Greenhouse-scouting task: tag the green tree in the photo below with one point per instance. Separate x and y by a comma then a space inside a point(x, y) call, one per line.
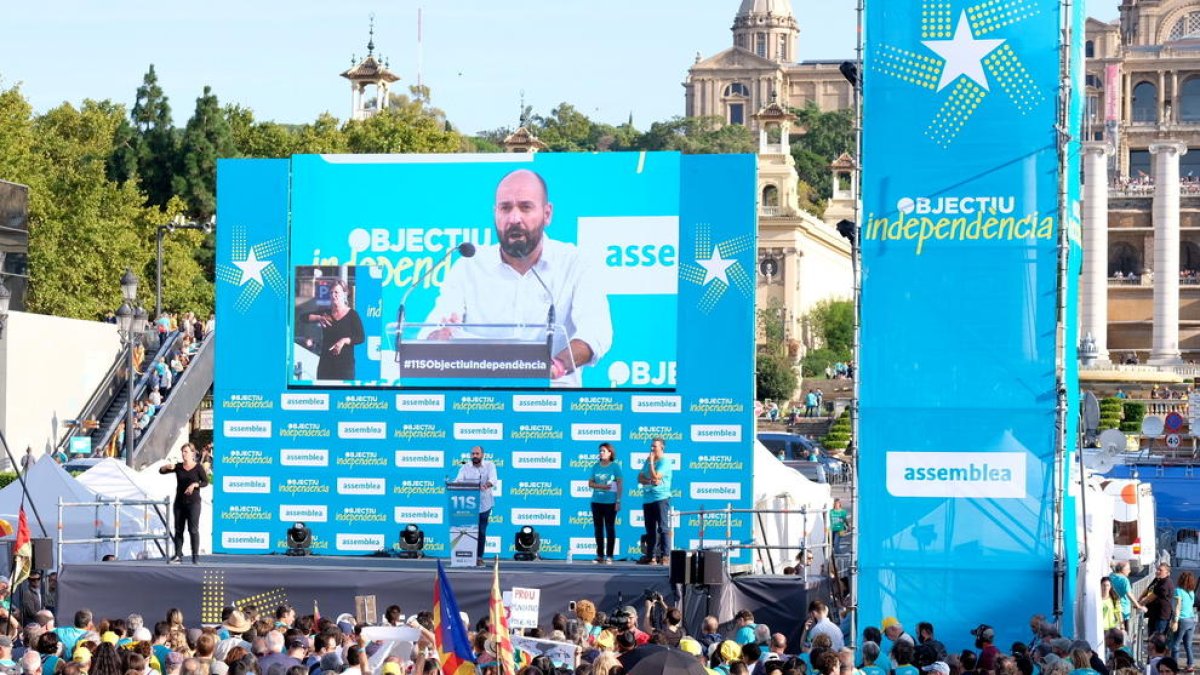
point(206, 139)
point(146, 147)
point(84, 228)
point(565, 129)
point(828, 135)
point(833, 321)
point(323, 136)
point(771, 324)
point(259, 139)
point(774, 377)
point(698, 135)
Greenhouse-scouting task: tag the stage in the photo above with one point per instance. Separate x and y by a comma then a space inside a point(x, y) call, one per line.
point(149, 588)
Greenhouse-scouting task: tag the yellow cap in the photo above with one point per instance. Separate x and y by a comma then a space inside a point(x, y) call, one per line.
point(730, 650)
point(391, 668)
point(606, 640)
point(890, 621)
point(690, 646)
point(109, 637)
point(82, 655)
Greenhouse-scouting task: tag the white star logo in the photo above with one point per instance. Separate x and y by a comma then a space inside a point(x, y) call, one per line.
point(714, 268)
point(963, 55)
point(251, 268)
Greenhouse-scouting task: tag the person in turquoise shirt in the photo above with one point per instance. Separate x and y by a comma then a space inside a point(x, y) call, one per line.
point(655, 479)
point(606, 484)
point(870, 654)
point(1184, 625)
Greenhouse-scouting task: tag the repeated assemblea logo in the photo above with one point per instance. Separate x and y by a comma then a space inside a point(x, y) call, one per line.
point(247, 429)
point(247, 458)
point(420, 459)
point(536, 488)
point(537, 460)
point(591, 404)
point(362, 430)
point(587, 545)
point(716, 433)
point(419, 431)
point(297, 486)
point(710, 404)
point(362, 402)
point(537, 432)
point(305, 513)
point(420, 402)
point(360, 542)
point(596, 432)
point(292, 457)
point(646, 433)
point(305, 402)
point(361, 486)
point(246, 540)
point(656, 404)
point(304, 430)
point(246, 484)
point(716, 463)
point(417, 515)
point(700, 490)
point(638, 460)
point(536, 517)
point(580, 490)
point(239, 514)
point(362, 458)
point(478, 431)
point(360, 514)
point(478, 404)
point(410, 488)
point(247, 402)
point(537, 403)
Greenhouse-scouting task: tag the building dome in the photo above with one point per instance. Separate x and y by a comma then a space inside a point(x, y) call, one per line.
point(772, 7)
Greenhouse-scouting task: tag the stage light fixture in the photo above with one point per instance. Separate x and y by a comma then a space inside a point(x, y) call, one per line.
point(412, 542)
point(527, 543)
point(299, 540)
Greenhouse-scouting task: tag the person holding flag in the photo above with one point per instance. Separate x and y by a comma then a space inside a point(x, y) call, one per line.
point(450, 635)
point(499, 626)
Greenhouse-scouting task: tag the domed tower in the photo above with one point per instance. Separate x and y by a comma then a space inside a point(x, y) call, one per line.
point(370, 82)
point(767, 28)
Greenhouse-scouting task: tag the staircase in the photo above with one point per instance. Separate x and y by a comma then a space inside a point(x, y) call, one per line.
point(190, 388)
point(112, 417)
point(813, 427)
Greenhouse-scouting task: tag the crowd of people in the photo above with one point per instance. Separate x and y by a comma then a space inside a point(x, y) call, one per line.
point(164, 371)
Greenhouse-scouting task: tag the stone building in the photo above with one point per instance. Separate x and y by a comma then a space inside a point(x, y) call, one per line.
point(1140, 299)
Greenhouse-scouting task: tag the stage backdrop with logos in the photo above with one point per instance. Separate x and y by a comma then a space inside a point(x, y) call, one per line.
point(649, 262)
point(960, 239)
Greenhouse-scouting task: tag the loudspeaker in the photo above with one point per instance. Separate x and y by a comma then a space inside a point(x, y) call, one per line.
point(708, 567)
point(43, 553)
point(681, 567)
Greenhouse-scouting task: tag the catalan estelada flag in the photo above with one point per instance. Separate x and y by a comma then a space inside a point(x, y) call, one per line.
point(499, 621)
point(22, 551)
point(453, 645)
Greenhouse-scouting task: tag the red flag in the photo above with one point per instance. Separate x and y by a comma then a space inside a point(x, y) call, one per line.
point(499, 621)
point(450, 636)
point(22, 551)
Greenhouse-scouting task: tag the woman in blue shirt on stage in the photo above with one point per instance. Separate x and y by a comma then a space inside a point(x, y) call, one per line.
point(605, 483)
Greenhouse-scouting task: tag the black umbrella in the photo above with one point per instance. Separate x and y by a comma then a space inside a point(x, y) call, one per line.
point(657, 659)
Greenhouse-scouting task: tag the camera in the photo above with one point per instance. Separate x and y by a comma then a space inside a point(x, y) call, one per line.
point(651, 595)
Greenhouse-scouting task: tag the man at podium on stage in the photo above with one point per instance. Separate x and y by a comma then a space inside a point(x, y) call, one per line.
point(528, 280)
point(483, 472)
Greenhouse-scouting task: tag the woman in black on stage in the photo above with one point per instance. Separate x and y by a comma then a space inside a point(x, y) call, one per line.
point(342, 330)
point(190, 476)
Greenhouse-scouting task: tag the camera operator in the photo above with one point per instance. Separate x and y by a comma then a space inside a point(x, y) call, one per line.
point(660, 619)
point(624, 620)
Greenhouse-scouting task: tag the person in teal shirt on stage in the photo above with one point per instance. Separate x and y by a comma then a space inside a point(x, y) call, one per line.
point(655, 479)
point(606, 485)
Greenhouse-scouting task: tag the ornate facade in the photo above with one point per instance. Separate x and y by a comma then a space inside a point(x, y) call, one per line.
point(760, 68)
point(1141, 301)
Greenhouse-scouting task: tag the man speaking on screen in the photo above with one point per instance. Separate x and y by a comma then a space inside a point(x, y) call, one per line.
point(526, 282)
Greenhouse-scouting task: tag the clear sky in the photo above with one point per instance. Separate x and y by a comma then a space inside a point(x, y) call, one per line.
point(282, 59)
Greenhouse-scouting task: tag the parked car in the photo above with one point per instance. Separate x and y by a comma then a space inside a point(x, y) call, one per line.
point(795, 451)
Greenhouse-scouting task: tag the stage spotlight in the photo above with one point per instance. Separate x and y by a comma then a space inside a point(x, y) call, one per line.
point(299, 540)
point(412, 542)
point(528, 543)
point(849, 70)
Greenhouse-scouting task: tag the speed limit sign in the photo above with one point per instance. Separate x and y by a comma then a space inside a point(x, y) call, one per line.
point(1173, 441)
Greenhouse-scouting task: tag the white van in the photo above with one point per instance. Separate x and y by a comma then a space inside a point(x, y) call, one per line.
point(1134, 531)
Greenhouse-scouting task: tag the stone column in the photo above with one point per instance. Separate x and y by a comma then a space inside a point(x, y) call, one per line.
point(1165, 343)
point(1093, 311)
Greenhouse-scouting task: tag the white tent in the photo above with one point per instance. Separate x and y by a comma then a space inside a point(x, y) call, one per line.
point(49, 484)
point(779, 487)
